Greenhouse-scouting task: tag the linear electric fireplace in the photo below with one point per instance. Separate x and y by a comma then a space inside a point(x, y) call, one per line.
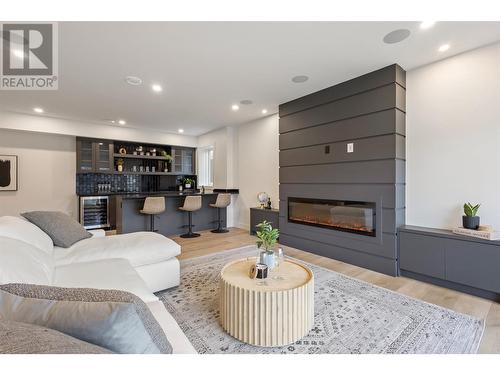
point(346, 216)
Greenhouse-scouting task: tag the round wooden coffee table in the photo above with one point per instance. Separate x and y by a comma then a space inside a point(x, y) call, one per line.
point(269, 312)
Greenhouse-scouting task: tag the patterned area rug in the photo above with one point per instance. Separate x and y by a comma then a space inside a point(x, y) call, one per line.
point(351, 316)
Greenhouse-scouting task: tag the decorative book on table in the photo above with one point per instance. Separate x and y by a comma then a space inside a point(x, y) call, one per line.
point(484, 232)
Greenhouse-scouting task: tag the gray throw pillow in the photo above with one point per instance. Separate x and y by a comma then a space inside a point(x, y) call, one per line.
point(116, 320)
point(23, 338)
point(63, 230)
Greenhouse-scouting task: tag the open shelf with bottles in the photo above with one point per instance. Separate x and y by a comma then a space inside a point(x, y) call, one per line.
point(127, 156)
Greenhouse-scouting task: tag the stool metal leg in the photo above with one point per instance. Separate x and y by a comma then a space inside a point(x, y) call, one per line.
point(190, 233)
point(219, 229)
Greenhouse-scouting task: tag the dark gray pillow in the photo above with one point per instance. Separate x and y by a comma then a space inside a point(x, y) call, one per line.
point(116, 320)
point(63, 230)
point(23, 338)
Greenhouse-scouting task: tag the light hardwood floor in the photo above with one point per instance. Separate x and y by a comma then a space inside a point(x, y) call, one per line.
point(490, 311)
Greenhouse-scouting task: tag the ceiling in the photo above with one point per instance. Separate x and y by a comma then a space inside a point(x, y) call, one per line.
point(206, 67)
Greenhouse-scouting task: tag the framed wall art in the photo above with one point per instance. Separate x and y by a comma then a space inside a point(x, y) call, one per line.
point(8, 173)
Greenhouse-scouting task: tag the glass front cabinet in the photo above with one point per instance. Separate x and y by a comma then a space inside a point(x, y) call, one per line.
point(94, 156)
point(183, 160)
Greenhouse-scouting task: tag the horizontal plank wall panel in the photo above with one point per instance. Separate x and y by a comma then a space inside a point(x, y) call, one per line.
point(373, 124)
point(389, 195)
point(374, 262)
point(369, 112)
point(379, 99)
point(361, 172)
point(381, 77)
point(376, 100)
point(374, 148)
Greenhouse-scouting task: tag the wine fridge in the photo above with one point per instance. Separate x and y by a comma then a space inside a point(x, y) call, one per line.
point(94, 212)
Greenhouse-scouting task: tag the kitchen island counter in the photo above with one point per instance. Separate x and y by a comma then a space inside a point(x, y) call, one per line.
point(173, 221)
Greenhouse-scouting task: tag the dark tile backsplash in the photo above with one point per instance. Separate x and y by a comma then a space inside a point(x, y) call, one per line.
point(88, 183)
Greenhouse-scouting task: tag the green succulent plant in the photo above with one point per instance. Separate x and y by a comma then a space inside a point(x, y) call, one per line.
point(470, 210)
point(267, 235)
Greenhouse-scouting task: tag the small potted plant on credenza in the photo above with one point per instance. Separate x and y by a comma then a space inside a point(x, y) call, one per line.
point(470, 220)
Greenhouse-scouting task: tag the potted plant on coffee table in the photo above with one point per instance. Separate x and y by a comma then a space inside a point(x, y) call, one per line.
point(267, 240)
point(470, 220)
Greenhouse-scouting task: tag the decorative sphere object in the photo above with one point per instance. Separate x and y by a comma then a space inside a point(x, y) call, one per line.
point(262, 197)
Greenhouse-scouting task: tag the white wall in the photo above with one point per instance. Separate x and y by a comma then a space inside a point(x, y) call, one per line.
point(246, 157)
point(218, 139)
point(44, 124)
point(46, 179)
point(258, 165)
point(453, 139)
point(225, 163)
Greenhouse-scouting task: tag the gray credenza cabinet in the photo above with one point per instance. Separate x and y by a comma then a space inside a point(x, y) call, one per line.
point(458, 262)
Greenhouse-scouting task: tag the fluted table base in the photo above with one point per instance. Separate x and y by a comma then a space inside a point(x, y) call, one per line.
point(276, 313)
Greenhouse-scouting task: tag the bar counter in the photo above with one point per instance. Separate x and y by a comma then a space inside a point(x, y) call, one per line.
point(173, 221)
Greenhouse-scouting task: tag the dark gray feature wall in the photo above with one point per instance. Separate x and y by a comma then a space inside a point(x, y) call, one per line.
point(315, 130)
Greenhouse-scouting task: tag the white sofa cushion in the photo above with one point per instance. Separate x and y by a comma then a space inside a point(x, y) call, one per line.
point(161, 275)
point(22, 230)
point(117, 274)
point(21, 262)
point(140, 248)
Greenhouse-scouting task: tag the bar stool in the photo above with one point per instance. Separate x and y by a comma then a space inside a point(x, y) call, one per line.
point(222, 201)
point(153, 206)
point(191, 203)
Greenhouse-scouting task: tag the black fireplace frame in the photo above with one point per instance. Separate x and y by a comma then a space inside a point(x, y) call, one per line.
point(371, 205)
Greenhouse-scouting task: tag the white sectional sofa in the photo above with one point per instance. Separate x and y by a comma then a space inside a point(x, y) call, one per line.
point(140, 263)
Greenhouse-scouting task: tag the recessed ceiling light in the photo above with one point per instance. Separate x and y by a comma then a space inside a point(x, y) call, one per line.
point(235, 107)
point(396, 36)
point(38, 110)
point(156, 88)
point(122, 122)
point(181, 130)
point(19, 53)
point(426, 24)
point(444, 47)
point(246, 102)
point(264, 111)
point(300, 79)
point(134, 81)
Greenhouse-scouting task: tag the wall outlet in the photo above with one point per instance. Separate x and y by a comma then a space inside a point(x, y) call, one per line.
point(350, 147)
